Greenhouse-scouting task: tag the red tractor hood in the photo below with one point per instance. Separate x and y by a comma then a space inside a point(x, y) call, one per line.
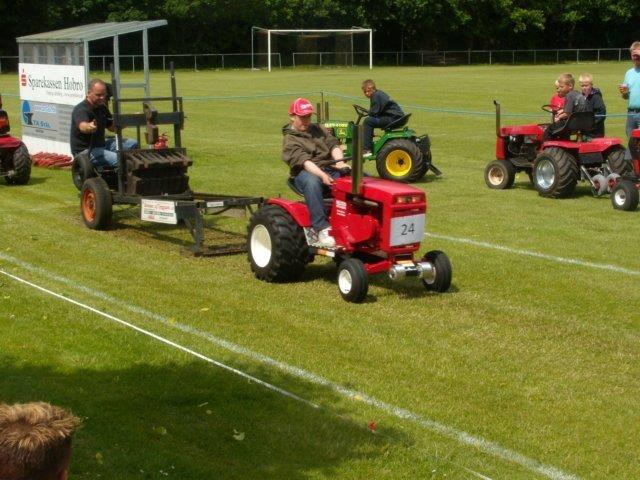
point(376, 189)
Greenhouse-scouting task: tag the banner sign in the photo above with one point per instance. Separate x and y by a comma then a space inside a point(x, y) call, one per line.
point(63, 84)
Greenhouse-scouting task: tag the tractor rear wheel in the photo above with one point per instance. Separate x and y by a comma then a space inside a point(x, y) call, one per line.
point(21, 167)
point(96, 204)
point(624, 196)
point(401, 160)
point(499, 174)
point(555, 173)
point(441, 279)
point(276, 245)
point(81, 169)
point(353, 280)
point(617, 163)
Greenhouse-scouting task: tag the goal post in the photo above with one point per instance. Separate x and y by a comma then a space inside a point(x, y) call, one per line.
point(301, 33)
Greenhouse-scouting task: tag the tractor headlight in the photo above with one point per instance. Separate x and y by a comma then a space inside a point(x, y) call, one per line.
point(408, 199)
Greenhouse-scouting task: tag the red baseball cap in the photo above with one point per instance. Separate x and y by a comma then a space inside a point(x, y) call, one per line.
point(301, 107)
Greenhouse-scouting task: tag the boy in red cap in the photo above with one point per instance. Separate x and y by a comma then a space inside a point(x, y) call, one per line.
point(314, 157)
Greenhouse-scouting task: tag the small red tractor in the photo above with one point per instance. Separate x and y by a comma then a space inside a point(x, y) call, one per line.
point(378, 226)
point(624, 194)
point(555, 166)
point(15, 162)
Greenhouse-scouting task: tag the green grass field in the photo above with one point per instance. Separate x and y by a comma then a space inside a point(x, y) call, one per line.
point(527, 368)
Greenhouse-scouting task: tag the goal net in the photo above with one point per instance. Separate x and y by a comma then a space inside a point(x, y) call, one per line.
point(274, 48)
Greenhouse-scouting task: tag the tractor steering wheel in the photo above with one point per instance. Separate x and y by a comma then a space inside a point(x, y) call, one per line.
point(361, 111)
point(549, 109)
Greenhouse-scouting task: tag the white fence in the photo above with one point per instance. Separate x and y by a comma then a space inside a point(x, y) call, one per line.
point(204, 61)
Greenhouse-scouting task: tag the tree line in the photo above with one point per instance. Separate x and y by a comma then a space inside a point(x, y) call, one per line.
point(223, 26)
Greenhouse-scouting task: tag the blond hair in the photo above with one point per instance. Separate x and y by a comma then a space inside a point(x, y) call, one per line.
point(369, 83)
point(567, 78)
point(35, 440)
point(585, 77)
point(634, 46)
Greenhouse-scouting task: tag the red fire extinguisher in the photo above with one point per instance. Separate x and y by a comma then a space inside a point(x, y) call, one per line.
point(162, 142)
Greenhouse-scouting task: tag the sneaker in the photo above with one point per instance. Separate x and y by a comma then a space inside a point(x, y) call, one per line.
point(325, 239)
point(367, 154)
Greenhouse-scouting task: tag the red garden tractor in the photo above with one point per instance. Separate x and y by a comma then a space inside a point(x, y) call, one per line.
point(15, 162)
point(555, 166)
point(378, 226)
point(624, 194)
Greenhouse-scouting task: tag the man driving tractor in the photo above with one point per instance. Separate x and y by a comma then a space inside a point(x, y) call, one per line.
point(315, 159)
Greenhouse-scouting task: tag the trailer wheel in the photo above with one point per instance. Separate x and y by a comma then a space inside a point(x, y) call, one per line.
point(21, 167)
point(96, 204)
point(276, 245)
point(400, 160)
point(499, 174)
point(353, 280)
point(617, 163)
point(624, 196)
point(440, 281)
point(81, 169)
point(555, 173)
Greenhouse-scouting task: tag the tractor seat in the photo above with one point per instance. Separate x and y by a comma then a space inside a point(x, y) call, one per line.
point(577, 122)
point(397, 123)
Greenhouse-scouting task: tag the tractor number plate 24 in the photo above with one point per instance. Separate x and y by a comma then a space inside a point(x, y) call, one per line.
point(407, 229)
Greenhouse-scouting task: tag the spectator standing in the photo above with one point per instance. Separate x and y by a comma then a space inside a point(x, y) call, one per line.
point(630, 89)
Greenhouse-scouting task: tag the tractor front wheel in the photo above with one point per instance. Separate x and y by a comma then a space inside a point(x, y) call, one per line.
point(96, 204)
point(624, 196)
point(401, 160)
point(276, 245)
point(440, 280)
point(500, 174)
point(555, 173)
point(353, 280)
point(21, 167)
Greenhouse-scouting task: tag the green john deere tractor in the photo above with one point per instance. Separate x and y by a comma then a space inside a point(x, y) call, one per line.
point(400, 154)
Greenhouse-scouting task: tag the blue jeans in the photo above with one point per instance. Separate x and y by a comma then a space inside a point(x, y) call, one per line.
point(107, 156)
point(369, 124)
point(312, 188)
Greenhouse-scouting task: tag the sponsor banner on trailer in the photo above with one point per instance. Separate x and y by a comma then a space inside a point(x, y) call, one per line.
point(62, 84)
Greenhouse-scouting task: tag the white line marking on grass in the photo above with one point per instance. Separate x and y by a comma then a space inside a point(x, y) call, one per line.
point(529, 253)
point(465, 438)
point(163, 340)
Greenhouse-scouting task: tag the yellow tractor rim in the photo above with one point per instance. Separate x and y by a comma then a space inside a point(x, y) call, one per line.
point(398, 163)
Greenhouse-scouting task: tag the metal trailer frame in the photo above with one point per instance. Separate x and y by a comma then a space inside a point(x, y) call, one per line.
point(190, 207)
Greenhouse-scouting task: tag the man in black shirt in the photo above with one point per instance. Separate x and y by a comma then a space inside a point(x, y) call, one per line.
point(382, 111)
point(89, 120)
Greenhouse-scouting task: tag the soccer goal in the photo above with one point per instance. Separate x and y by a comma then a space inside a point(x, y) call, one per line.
point(313, 47)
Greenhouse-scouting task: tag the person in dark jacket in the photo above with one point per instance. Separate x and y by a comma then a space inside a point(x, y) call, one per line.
point(595, 103)
point(382, 111)
point(315, 159)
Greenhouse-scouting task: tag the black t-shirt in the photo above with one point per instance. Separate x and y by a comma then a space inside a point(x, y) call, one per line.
point(85, 112)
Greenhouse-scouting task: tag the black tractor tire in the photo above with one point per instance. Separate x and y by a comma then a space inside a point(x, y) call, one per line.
point(555, 173)
point(276, 245)
point(441, 281)
point(81, 169)
point(96, 204)
point(401, 160)
point(353, 280)
point(624, 196)
point(500, 174)
point(21, 167)
point(617, 163)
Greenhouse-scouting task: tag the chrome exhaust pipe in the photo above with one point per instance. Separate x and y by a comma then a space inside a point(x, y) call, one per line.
point(423, 270)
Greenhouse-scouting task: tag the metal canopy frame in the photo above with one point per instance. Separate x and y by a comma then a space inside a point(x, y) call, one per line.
point(98, 31)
